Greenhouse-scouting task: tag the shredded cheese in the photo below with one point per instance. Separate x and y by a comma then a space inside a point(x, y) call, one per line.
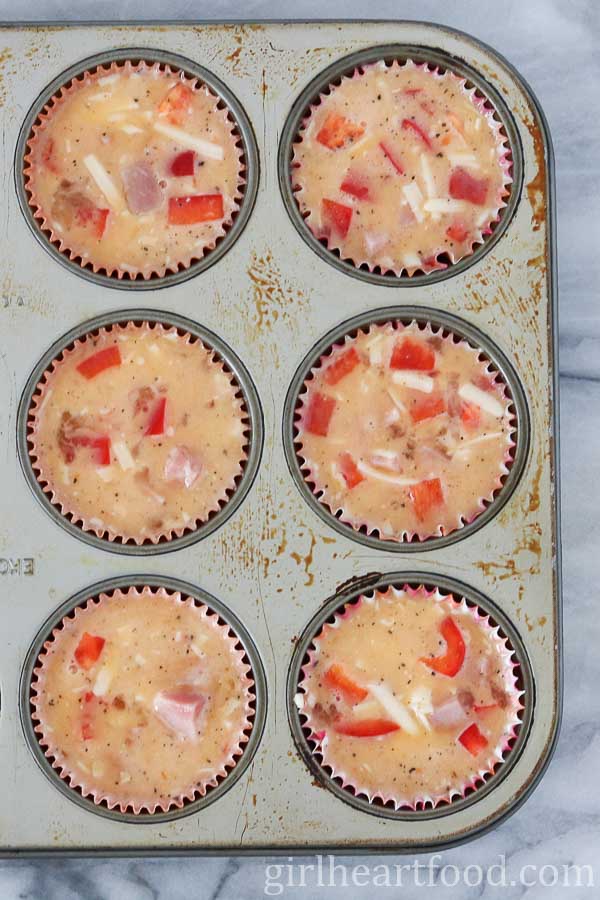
point(372, 472)
point(396, 400)
point(103, 180)
point(420, 703)
point(443, 205)
point(395, 710)
point(123, 454)
point(414, 380)
point(483, 399)
point(204, 148)
point(414, 197)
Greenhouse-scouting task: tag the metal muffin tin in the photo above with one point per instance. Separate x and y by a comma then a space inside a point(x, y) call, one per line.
point(243, 130)
point(367, 586)
point(332, 76)
point(275, 561)
point(252, 410)
point(187, 590)
point(461, 329)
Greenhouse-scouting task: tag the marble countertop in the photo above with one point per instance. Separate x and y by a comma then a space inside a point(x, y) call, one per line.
point(555, 46)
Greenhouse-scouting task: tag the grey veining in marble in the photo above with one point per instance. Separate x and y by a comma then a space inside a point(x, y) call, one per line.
point(555, 46)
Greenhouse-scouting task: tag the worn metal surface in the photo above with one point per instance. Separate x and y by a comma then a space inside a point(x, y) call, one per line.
point(270, 298)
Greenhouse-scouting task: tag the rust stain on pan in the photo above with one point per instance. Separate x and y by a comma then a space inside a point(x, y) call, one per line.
point(306, 560)
point(273, 298)
point(536, 188)
point(515, 565)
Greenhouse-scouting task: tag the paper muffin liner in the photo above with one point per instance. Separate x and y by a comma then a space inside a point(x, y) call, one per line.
point(119, 800)
point(83, 259)
point(497, 756)
point(373, 527)
point(71, 511)
point(440, 257)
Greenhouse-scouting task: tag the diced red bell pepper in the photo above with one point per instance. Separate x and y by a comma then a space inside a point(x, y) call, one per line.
point(338, 679)
point(100, 444)
point(469, 414)
point(484, 708)
point(428, 408)
point(87, 730)
point(337, 215)
point(425, 495)
point(337, 131)
point(93, 218)
point(473, 740)
point(350, 471)
point(319, 413)
point(176, 104)
point(366, 727)
point(392, 157)
point(98, 362)
point(88, 650)
point(464, 187)
point(48, 157)
point(432, 262)
point(342, 366)
point(451, 662)
point(102, 450)
point(457, 232)
point(411, 354)
point(195, 208)
point(156, 424)
point(183, 164)
point(484, 382)
point(420, 132)
point(412, 92)
point(355, 185)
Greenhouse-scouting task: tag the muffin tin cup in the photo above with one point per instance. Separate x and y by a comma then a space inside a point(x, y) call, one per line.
point(448, 323)
point(505, 756)
point(346, 66)
point(247, 748)
point(251, 408)
point(103, 64)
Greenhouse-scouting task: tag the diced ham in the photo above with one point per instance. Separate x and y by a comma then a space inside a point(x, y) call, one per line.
point(375, 241)
point(337, 131)
point(182, 465)
point(386, 459)
point(177, 104)
point(141, 187)
point(463, 186)
point(449, 713)
point(180, 711)
point(356, 184)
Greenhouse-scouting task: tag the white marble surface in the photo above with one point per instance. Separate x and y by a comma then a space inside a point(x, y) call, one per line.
point(555, 45)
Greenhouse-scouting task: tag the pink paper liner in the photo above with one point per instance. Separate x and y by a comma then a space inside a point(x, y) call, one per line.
point(483, 106)
point(84, 79)
point(497, 756)
point(310, 471)
point(74, 514)
point(117, 800)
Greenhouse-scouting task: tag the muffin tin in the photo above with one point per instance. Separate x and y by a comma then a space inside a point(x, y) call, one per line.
point(275, 561)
